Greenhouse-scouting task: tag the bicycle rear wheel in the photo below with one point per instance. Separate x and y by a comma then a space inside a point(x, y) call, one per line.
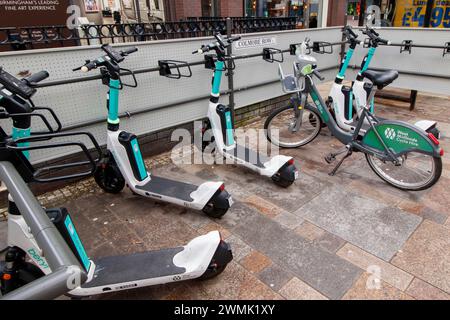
point(416, 171)
point(280, 127)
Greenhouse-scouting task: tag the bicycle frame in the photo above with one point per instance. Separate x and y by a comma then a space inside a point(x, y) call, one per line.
point(399, 137)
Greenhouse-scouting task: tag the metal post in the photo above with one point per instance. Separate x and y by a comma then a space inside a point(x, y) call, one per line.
point(362, 13)
point(412, 100)
point(323, 14)
point(428, 10)
point(230, 72)
point(342, 53)
point(306, 12)
point(138, 11)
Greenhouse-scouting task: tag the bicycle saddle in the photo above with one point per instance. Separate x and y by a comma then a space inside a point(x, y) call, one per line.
point(381, 78)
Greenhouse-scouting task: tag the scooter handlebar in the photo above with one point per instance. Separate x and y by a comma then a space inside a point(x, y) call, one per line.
point(233, 39)
point(203, 49)
point(129, 51)
point(37, 77)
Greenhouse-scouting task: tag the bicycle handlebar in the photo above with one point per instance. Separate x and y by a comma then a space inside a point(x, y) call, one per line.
point(111, 58)
point(318, 75)
point(375, 36)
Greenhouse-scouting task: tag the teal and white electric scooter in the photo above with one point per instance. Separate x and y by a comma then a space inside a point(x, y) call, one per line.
point(220, 121)
point(123, 163)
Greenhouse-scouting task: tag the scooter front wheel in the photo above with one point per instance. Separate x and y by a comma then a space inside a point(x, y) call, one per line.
point(109, 178)
point(414, 171)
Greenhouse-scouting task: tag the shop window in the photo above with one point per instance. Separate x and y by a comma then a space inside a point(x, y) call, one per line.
point(402, 13)
point(210, 8)
point(250, 8)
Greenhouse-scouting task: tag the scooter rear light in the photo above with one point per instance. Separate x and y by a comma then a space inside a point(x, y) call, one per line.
point(433, 138)
point(441, 152)
point(222, 187)
point(6, 276)
point(292, 161)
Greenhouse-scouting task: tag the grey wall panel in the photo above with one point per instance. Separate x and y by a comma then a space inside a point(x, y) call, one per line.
point(254, 71)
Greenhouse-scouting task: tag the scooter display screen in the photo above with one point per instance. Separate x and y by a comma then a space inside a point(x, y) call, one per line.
point(15, 86)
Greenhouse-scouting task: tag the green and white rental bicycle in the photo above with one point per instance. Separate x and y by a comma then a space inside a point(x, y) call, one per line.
point(403, 155)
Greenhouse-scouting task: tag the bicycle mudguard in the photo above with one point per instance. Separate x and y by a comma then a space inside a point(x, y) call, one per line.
point(400, 137)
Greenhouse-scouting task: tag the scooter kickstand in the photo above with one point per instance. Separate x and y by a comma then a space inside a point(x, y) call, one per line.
point(331, 157)
point(348, 154)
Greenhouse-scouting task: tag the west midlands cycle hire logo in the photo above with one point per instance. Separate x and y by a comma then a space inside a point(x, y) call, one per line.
point(390, 133)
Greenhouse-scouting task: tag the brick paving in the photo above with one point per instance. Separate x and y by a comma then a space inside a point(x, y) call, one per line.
point(350, 236)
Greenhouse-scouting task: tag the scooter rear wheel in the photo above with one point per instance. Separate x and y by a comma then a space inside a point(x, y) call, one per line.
point(109, 178)
point(219, 262)
point(285, 177)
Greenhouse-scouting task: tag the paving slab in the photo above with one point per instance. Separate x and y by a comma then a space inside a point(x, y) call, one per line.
point(329, 242)
point(296, 289)
point(426, 255)
point(387, 272)
point(422, 290)
point(255, 262)
point(309, 231)
point(379, 229)
point(235, 283)
point(263, 206)
point(288, 220)
point(316, 267)
point(439, 199)
point(418, 208)
point(289, 199)
point(275, 277)
point(240, 248)
point(368, 289)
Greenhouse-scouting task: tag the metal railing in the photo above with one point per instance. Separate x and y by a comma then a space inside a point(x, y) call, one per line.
point(24, 38)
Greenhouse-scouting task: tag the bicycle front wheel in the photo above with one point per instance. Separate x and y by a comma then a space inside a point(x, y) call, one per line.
point(415, 171)
point(285, 130)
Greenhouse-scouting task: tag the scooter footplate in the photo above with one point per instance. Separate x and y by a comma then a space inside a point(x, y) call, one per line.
point(140, 266)
point(248, 155)
point(169, 188)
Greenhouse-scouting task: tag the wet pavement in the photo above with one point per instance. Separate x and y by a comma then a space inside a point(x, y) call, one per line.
point(350, 236)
